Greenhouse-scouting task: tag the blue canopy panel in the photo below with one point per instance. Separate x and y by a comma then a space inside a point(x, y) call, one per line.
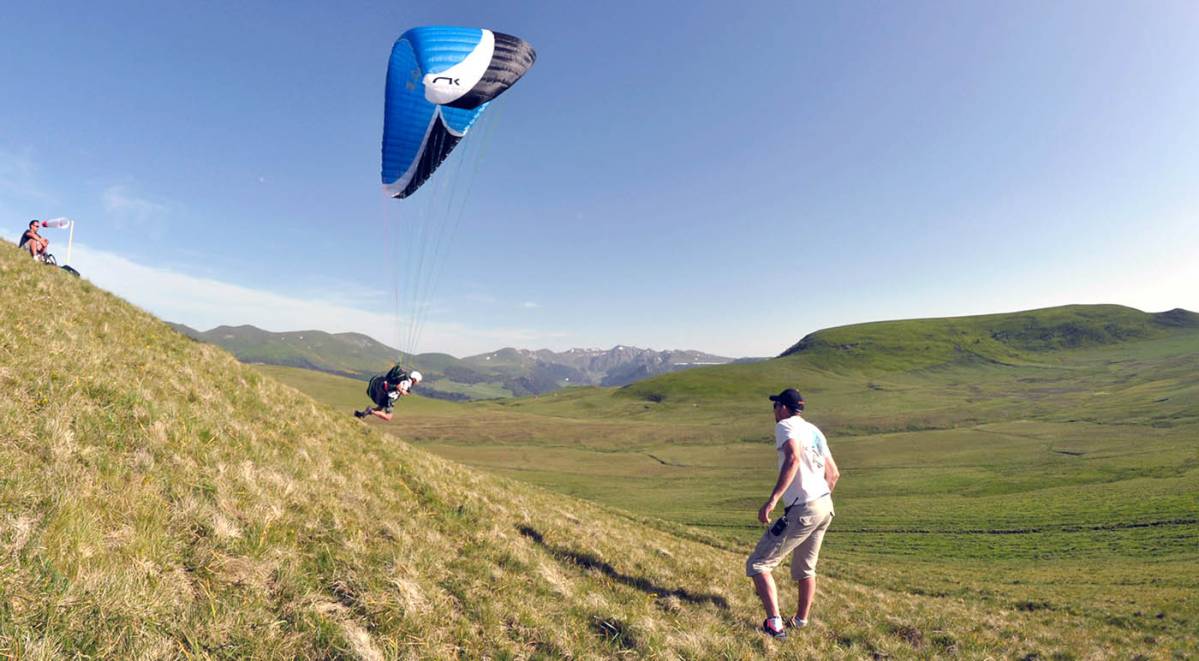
point(439, 80)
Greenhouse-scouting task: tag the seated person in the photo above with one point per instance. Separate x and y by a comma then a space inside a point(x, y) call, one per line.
point(386, 389)
point(35, 243)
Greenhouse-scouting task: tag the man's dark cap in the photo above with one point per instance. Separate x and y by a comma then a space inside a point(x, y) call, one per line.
point(789, 398)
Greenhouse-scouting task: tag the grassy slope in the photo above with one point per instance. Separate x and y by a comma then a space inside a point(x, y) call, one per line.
point(161, 500)
point(1064, 477)
point(1095, 518)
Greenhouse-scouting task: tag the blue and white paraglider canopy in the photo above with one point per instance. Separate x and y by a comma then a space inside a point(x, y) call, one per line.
point(439, 80)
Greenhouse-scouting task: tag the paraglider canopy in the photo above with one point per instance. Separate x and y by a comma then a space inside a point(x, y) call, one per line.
point(439, 80)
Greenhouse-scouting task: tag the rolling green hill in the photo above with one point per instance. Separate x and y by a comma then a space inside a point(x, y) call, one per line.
point(917, 374)
point(162, 500)
point(1016, 338)
point(1053, 467)
point(1063, 481)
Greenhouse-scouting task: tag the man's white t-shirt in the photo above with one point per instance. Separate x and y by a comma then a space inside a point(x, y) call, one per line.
point(809, 483)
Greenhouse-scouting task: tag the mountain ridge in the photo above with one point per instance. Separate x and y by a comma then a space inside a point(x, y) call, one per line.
point(502, 373)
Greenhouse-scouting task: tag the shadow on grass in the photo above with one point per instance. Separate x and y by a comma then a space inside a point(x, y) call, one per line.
point(588, 561)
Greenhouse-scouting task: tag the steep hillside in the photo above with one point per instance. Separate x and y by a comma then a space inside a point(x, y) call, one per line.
point(162, 500)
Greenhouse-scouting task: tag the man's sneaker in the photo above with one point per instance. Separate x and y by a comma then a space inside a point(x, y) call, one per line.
point(797, 623)
point(359, 414)
point(778, 634)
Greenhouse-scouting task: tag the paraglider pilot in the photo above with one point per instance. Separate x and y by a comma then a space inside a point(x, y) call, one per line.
point(385, 389)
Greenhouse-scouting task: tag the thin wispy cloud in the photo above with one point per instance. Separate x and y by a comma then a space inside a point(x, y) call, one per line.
point(19, 181)
point(123, 203)
point(478, 297)
point(203, 303)
point(489, 300)
point(348, 292)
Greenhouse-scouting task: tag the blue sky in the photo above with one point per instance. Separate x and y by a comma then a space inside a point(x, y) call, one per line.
point(725, 179)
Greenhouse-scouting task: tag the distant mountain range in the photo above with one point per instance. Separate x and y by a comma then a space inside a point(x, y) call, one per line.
point(504, 373)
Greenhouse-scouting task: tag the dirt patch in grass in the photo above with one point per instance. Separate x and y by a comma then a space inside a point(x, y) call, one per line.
point(910, 634)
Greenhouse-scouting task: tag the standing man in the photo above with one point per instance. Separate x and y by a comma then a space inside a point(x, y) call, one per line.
point(807, 475)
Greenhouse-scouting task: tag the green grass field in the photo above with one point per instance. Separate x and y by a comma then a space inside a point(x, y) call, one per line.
point(162, 500)
point(1062, 478)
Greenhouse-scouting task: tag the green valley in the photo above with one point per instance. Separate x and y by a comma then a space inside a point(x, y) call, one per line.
point(1054, 468)
point(163, 500)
